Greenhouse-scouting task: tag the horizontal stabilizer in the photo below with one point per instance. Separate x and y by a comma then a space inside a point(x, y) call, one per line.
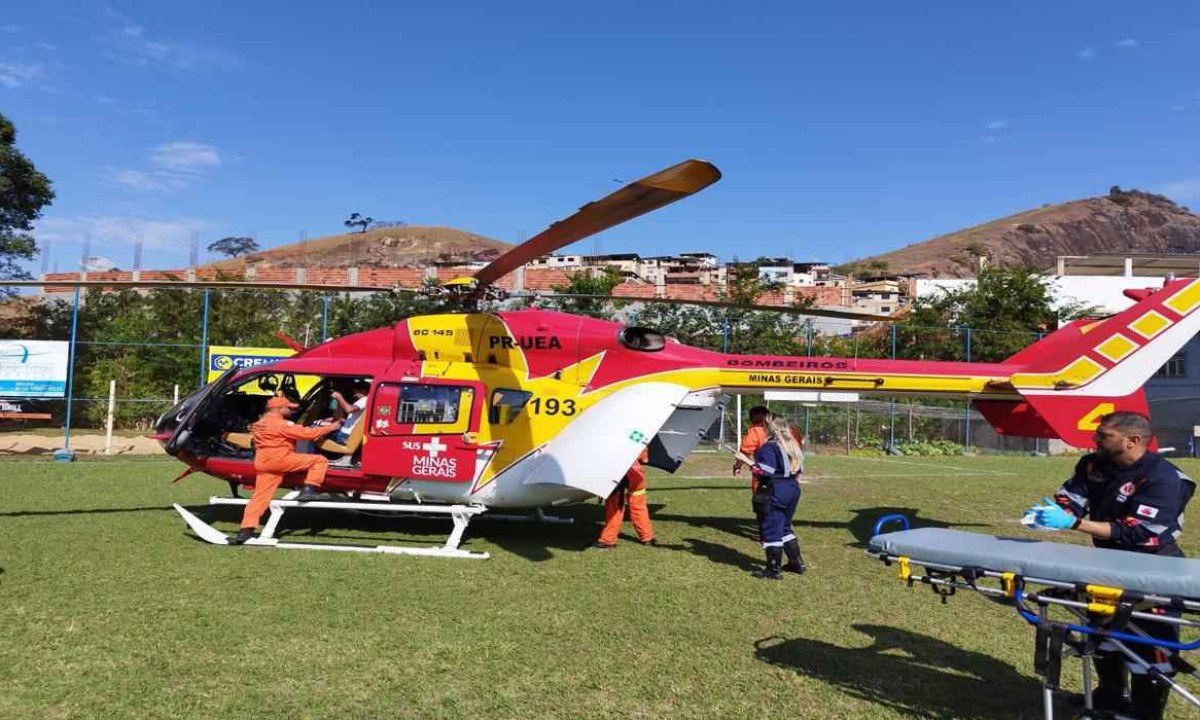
point(1071, 418)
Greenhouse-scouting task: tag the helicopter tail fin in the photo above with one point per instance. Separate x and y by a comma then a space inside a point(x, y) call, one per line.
point(1088, 368)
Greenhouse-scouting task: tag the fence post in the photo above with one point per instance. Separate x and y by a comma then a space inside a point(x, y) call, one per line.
point(67, 454)
point(324, 318)
point(204, 338)
point(967, 408)
point(738, 439)
point(108, 425)
point(175, 401)
point(892, 402)
point(967, 427)
point(808, 335)
point(847, 429)
point(725, 334)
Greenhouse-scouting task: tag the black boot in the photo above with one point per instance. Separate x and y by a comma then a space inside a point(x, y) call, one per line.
point(774, 560)
point(243, 535)
point(1110, 694)
point(1148, 698)
point(795, 563)
point(308, 492)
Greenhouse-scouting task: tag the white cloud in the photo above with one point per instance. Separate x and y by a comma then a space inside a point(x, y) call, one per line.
point(15, 75)
point(1129, 43)
point(997, 125)
point(11, 28)
point(989, 139)
point(105, 100)
point(130, 43)
point(142, 180)
point(114, 230)
point(186, 156)
point(1181, 191)
point(173, 166)
point(1087, 54)
point(49, 47)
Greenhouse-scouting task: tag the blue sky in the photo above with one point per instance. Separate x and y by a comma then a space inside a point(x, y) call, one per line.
point(842, 129)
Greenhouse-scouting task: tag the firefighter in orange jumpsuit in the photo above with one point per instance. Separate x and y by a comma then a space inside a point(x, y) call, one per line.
point(275, 455)
point(632, 491)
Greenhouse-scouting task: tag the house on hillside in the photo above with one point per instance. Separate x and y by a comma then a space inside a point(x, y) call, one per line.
point(881, 297)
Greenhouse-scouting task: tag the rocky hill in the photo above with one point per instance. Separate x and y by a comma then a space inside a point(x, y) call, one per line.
point(389, 247)
point(1122, 221)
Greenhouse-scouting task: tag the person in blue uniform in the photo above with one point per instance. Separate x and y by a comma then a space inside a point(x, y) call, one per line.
point(777, 465)
point(1125, 497)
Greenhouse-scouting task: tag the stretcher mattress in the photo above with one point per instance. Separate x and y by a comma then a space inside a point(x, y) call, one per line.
point(1176, 577)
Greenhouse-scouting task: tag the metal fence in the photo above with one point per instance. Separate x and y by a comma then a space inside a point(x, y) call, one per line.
point(134, 354)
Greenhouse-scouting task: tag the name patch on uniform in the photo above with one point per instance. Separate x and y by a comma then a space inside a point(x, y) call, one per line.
point(1147, 511)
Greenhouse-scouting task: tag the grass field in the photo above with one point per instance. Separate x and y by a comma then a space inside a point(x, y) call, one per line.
point(111, 609)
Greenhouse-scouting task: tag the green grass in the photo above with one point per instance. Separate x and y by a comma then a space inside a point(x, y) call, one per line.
point(111, 608)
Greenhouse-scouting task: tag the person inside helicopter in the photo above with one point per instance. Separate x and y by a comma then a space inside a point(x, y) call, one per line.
point(353, 410)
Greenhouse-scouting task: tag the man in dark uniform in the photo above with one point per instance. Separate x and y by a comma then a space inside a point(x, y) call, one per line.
point(1126, 498)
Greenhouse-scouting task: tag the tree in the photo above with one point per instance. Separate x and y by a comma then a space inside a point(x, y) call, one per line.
point(234, 246)
point(1006, 310)
point(358, 221)
point(23, 193)
point(736, 330)
point(585, 282)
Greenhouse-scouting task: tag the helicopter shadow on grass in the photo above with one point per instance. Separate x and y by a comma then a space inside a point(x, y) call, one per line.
point(862, 524)
point(744, 531)
point(526, 538)
point(911, 674)
point(86, 511)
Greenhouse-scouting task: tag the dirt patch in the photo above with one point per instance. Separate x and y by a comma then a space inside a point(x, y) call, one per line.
point(17, 444)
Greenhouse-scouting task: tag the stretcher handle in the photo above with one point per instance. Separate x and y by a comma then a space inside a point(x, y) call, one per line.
point(893, 517)
point(1032, 619)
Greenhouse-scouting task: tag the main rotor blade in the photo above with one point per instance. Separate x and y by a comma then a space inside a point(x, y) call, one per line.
point(814, 312)
point(638, 198)
point(193, 284)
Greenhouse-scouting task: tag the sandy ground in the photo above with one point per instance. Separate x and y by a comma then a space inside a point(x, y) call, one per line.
point(18, 444)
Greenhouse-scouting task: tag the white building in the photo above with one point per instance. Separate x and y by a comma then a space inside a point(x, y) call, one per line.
point(556, 261)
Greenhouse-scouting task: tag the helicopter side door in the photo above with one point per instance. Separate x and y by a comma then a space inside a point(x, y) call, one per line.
point(423, 430)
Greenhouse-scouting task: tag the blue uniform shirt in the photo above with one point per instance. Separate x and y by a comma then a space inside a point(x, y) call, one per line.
point(772, 461)
point(1143, 503)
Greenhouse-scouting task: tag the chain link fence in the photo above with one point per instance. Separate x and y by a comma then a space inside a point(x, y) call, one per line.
point(134, 354)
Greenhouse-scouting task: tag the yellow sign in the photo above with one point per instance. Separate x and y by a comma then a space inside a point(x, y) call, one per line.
point(222, 358)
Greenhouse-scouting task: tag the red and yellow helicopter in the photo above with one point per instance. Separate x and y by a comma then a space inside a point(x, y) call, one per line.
point(475, 411)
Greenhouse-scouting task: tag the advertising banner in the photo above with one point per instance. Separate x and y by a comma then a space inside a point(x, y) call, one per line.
point(34, 368)
point(223, 357)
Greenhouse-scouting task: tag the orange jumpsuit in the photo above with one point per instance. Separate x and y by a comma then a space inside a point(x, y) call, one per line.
point(632, 490)
point(755, 438)
point(275, 455)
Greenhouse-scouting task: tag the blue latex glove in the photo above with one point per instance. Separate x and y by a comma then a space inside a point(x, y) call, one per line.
point(1052, 516)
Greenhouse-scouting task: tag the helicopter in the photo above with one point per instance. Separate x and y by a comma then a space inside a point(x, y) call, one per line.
point(480, 411)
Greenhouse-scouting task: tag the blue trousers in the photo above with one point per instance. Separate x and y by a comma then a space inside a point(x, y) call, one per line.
point(775, 525)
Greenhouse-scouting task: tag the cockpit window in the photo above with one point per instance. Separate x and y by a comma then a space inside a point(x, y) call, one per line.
point(506, 405)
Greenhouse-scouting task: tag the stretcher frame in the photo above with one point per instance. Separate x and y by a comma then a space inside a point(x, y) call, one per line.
point(1100, 614)
point(461, 515)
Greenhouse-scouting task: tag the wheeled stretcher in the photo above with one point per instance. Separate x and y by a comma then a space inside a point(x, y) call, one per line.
point(1077, 597)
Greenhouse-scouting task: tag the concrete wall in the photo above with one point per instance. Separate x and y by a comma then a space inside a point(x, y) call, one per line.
point(1175, 402)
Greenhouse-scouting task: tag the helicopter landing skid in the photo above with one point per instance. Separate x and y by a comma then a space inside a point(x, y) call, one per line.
point(460, 514)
